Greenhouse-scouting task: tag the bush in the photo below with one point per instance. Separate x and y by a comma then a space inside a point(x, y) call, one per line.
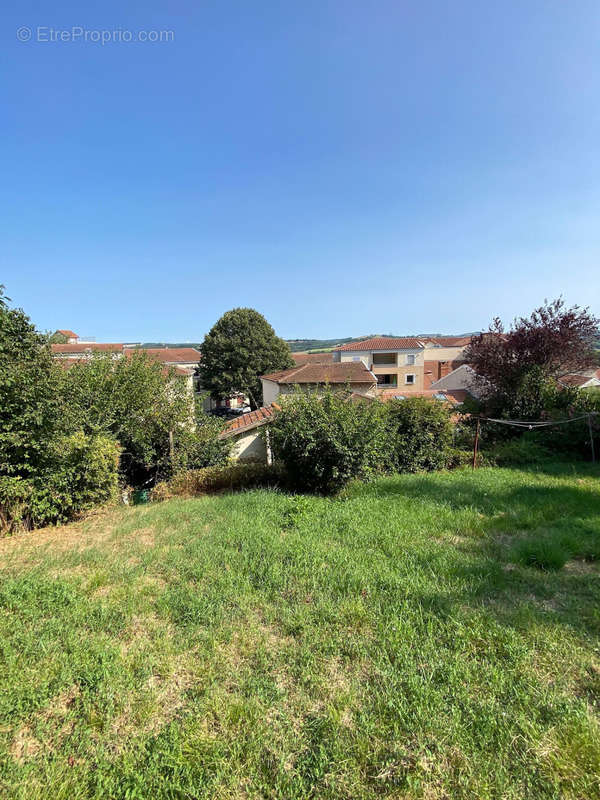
point(133, 401)
point(82, 472)
point(517, 452)
point(201, 447)
point(230, 477)
point(421, 434)
point(456, 457)
point(15, 501)
point(323, 441)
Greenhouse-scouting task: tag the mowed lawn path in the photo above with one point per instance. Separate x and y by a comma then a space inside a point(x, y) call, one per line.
point(397, 641)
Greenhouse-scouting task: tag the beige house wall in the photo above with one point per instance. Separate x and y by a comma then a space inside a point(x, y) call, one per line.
point(400, 373)
point(270, 392)
point(250, 446)
point(461, 378)
point(444, 353)
point(399, 368)
point(360, 388)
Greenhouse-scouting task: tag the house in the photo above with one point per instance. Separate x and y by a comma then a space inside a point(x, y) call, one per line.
point(354, 377)
point(314, 377)
point(79, 349)
point(395, 362)
point(181, 361)
point(443, 354)
point(581, 380)
point(64, 335)
point(312, 358)
point(453, 397)
point(187, 357)
point(462, 378)
point(249, 444)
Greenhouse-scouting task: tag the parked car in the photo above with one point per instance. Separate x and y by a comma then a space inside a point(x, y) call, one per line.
point(220, 412)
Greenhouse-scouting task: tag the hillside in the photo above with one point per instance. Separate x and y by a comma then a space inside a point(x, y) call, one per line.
point(395, 642)
point(304, 345)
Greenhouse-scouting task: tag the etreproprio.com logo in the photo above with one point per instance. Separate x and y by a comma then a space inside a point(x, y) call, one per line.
point(77, 33)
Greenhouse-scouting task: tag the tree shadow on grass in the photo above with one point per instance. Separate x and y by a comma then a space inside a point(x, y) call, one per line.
point(521, 497)
point(519, 518)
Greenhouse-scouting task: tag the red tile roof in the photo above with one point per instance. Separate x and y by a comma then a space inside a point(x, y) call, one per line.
point(453, 396)
point(578, 379)
point(184, 372)
point(384, 343)
point(67, 363)
point(245, 422)
point(312, 358)
point(70, 334)
point(451, 341)
point(172, 355)
point(85, 347)
point(338, 372)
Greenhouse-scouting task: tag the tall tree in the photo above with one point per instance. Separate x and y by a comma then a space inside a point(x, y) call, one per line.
point(28, 392)
point(239, 348)
point(518, 368)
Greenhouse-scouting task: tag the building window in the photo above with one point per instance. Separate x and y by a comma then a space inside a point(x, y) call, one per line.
point(410, 359)
point(355, 358)
point(409, 379)
point(384, 358)
point(387, 380)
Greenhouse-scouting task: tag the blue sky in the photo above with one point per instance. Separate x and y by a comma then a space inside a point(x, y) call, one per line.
point(344, 167)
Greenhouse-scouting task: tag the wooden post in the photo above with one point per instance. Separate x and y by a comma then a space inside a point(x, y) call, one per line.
point(171, 447)
point(589, 416)
point(476, 442)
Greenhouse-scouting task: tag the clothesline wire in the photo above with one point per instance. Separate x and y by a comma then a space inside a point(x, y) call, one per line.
point(519, 423)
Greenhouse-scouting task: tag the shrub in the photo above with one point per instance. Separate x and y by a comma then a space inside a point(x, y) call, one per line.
point(28, 394)
point(132, 400)
point(457, 457)
point(230, 477)
point(323, 441)
point(517, 452)
point(82, 472)
point(201, 447)
point(15, 500)
point(421, 434)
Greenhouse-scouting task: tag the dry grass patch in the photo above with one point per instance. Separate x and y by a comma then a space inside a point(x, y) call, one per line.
point(158, 701)
point(24, 746)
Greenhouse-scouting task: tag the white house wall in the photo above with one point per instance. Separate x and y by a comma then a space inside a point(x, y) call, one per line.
point(250, 447)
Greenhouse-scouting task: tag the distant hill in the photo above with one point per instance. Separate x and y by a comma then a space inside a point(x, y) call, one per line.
point(147, 345)
point(317, 345)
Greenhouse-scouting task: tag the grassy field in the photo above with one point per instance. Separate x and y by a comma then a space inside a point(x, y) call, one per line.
point(399, 641)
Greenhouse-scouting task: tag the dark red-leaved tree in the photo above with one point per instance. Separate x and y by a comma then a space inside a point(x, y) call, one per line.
point(533, 353)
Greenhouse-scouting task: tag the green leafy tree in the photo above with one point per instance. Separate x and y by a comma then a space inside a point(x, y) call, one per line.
point(28, 393)
point(238, 349)
point(135, 402)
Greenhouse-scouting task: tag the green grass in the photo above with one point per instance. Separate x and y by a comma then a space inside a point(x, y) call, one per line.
point(405, 640)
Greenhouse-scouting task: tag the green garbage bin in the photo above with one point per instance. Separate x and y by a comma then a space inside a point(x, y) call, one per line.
point(140, 496)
